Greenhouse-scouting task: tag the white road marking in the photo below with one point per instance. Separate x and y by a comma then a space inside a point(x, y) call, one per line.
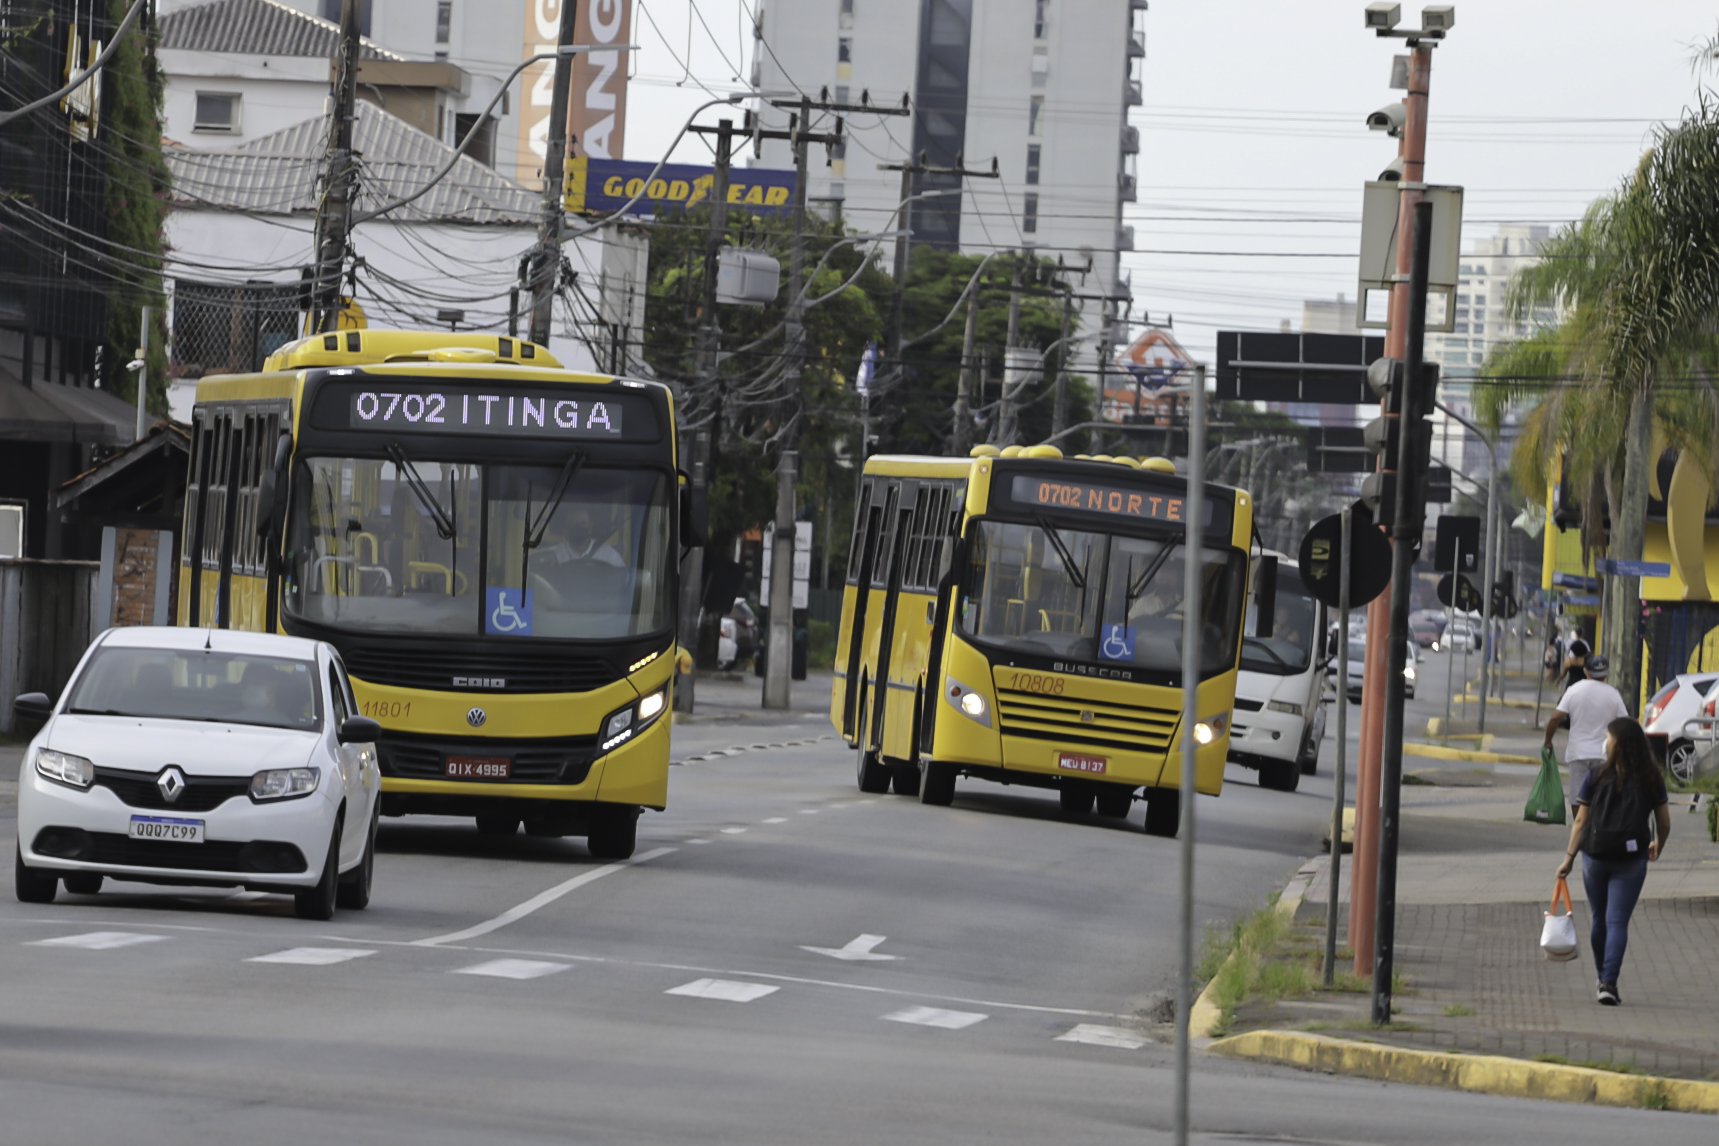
point(541, 899)
point(98, 940)
point(808, 811)
point(732, 831)
point(312, 956)
point(935, 1017)
point(728, 990)
point(777, 820)
point(698, 841)
point(1094, 1035)
point(513, 969)
point(857, 950)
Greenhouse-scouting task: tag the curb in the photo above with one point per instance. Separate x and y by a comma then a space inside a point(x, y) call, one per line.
point(1484, 1074)
point(1205, 1015)
point(1439, 752)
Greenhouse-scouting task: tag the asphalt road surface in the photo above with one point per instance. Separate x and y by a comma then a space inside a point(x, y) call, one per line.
point(784, 960)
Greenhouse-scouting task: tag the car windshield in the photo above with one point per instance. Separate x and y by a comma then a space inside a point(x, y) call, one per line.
point(408, 545)
point(1357, 652)
point(198, 684)
point(1288, 648)
point(1047, 590)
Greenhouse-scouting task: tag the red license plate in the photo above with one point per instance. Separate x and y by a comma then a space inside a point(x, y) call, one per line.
point(478, 768)
point(1070, 762)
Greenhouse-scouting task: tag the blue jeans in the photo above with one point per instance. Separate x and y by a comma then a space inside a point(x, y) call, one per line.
point(1613, 887)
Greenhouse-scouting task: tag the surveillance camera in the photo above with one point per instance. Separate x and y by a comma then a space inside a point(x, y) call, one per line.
point(1388, 119)
point(1393, 171)
point(135, 365)
point(1384, 16)
point(1439, 19)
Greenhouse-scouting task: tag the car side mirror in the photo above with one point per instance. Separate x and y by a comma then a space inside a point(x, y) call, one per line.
point(358, 730)
point(35, 706)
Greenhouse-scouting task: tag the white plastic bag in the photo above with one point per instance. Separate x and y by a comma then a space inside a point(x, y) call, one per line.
point(1558, 940)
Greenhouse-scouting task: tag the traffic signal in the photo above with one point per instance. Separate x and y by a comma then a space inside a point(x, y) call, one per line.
point(1387, 377)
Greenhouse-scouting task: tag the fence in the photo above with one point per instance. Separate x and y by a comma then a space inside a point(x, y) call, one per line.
point(44, 626)
point(221, 328)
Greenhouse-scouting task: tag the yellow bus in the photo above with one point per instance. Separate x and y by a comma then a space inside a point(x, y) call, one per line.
point(489, 540)
point(1017, 618)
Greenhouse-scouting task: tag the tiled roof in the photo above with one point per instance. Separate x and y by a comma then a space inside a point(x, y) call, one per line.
point(257, 28)
point(276, 174)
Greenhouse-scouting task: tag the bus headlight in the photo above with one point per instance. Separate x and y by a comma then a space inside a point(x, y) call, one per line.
point(967, 702)
point(622, 726)
point(1287, 707)
point(1211, 728)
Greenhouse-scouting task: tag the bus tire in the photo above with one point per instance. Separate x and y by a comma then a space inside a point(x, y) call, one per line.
point(1115, 800)
point(613, 831)
point(1076, 798)
point(904, 777)
point(1163, 812)
point(937, 786)
point(497, 824)
point(1280, 775)
point(871, 773)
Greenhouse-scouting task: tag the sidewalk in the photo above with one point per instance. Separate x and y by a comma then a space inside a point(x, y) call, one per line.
point(729, 716)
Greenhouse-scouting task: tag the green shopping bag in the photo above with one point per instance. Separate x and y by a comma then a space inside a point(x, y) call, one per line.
point(1546, 798)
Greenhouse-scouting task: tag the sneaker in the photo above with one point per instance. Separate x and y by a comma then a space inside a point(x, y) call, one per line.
point(1607, 995)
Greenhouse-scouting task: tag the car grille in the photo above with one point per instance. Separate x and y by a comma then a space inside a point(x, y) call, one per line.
point(435, 670)
point(1249, 705)
point(563, 761)
point(201, 793)
point(1128, 727)
point(212, 855)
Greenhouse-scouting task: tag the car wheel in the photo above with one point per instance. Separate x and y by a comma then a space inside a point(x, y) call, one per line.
point(1115, 800)
point(1280, 776)
point(614, 831)
point(1680, 761)
point(937, 786)
point(1077, 798)
point(33, 886)
point(354, 891)
point(82, 883)
point(497, 824)
point(318, 902)
point(1163, 812)
point(1308, 761)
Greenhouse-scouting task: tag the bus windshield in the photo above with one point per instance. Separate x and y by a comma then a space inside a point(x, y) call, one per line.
point(1048, 590)
point(409, 545)
point(1289, 648)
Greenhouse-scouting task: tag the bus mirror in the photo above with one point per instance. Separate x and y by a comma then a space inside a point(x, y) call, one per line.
point(694, 516)
point(1265, 597)
point(269, 488)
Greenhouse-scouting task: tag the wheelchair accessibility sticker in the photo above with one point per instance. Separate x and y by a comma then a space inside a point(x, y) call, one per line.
point(1118, 643)
point(505, 613)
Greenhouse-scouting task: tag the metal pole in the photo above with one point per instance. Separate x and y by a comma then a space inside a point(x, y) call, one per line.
point(143, 371)
point(1342, 752)
point(962, 434)
point(1191, 634)
point(1059, 403)
point(1449, 631)
point(546, 263)
point(692, 581)
point(1489, 572)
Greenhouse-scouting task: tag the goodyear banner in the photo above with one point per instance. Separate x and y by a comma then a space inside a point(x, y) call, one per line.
point(600, 185)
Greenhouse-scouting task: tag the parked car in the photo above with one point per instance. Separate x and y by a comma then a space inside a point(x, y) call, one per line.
point(738, 636)
point(1680, 700)
point(202, 757)
point(1358, 671)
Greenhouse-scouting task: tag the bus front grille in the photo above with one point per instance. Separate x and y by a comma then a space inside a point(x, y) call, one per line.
point(1085, 722)
point(505, 672)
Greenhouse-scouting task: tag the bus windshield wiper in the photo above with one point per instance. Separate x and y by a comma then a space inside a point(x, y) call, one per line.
point(1074, 575)
point(569, 469)
point(444, 523)
point(1138, 586)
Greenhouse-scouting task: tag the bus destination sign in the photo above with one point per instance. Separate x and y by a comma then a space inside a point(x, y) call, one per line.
point(512, 413)
point(1093, 497)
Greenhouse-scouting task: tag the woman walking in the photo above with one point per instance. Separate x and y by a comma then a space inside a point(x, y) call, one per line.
point(1614, 809)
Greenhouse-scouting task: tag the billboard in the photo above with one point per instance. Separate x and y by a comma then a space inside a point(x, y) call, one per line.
point(601, 185)
point(597, 98)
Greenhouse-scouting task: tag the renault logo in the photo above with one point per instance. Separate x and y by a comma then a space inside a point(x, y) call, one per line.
point(171, 783)
point(476, 717)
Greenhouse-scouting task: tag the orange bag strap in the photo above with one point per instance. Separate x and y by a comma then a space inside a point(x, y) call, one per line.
point(1562, 891)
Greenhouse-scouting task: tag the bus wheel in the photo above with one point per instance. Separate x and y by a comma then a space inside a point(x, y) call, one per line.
point(497, 824)
point(613, 832)
point(871, 772)
point(1115, 800)
point(1163, 812)
point(1077, 798)
point(904, 777)
point(937, 786)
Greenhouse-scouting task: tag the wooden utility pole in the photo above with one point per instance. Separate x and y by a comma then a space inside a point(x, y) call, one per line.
point(961, 434)
point(339, 181)
point(546, 258)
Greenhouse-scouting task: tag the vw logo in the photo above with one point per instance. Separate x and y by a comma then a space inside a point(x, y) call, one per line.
point(476, 717)
point(170, 783)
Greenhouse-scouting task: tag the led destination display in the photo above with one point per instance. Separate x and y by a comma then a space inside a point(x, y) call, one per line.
point(537, 412)
point(1140, 503)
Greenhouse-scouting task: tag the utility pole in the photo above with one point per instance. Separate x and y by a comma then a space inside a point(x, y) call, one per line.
point(709, 366)
point(1003, 426)
point(1059, 406)
point(546, 259)
point(961, 436)
point(339, 181)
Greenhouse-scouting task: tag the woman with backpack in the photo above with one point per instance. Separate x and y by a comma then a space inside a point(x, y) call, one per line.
point(1614, 809)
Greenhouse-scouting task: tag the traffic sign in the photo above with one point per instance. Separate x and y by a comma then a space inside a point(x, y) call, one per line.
point(1338, 450)
point(1321, 556)
point(1459, 593)
point(1458, 540)
point(1277, 367)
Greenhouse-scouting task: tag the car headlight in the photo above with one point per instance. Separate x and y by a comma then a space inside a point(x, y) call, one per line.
point(1408, 672)
point(622, 726)
point(284, 783)
point(1287, 707)
point(64, 768)
point(1211, 728)
point(968, 703)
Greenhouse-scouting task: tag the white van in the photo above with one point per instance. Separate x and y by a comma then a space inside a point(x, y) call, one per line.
point(1279, 719)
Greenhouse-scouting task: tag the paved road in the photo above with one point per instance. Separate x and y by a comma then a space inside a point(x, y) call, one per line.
point(518, 991)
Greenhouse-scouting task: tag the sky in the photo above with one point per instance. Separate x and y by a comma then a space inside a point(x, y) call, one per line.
point(1253, 138)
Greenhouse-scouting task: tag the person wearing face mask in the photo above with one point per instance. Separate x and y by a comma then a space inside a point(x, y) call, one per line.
point(1621, 825)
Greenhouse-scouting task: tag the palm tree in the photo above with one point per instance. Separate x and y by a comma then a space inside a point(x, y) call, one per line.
point(1638, 280)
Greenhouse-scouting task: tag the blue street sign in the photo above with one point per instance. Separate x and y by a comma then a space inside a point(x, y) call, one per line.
point(1632, 568)
point(1118, 643)
point(505, 614)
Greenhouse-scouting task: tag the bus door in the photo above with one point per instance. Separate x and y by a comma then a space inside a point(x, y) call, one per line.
point(900, 510)
point(870, 535)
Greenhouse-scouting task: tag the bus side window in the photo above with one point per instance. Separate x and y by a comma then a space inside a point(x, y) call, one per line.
point(861, 512)
point(886, 535)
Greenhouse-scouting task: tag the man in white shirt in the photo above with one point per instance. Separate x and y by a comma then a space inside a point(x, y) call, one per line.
point(1588, 706)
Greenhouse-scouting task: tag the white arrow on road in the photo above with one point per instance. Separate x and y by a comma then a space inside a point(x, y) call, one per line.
point(857, 950)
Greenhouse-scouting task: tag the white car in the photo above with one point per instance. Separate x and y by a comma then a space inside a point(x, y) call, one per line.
point(1681, 699)
point(201, 757)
